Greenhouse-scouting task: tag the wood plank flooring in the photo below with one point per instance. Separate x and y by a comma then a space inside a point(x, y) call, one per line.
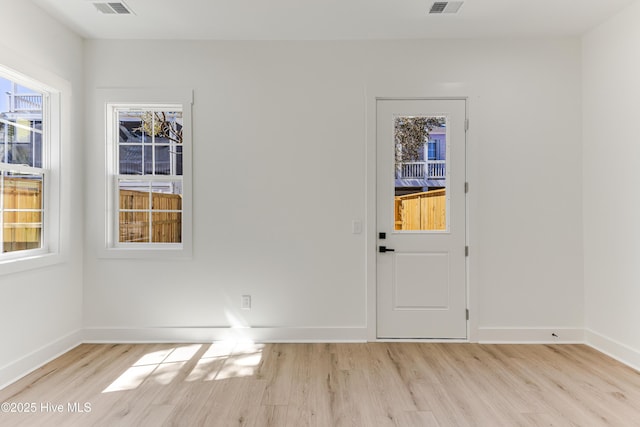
point(374, 384)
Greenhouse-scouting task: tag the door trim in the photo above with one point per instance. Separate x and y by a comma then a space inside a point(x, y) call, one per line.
point(371, 221)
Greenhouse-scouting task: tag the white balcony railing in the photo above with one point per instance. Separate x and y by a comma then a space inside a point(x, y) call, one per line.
point(430, 169)
point(24, 102)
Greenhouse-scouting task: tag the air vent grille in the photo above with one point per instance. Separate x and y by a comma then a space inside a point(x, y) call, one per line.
point(445, 7)
point(104, 8)
point(118, 8)
point(438, 7)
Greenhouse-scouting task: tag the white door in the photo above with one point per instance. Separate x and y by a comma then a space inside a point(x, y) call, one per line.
point(421, 268)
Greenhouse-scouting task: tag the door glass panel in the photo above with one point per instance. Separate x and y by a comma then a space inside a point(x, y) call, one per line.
point(420, 199)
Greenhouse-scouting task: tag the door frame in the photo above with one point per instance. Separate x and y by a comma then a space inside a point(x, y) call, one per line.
point(371, 220)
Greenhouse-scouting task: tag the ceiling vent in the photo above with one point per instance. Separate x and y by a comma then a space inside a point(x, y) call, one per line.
point(445, 7)
point(117, 8)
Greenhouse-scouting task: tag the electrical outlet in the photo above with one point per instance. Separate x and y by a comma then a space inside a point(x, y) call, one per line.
point(245, 302)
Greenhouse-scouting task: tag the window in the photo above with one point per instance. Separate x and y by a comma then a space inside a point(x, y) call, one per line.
point(24, 168)
point(149, 174)
point(436, 148)
point(432, 147)
point(148, 210)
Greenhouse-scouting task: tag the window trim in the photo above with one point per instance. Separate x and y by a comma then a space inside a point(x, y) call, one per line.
point(112, 100)
point(53, 91)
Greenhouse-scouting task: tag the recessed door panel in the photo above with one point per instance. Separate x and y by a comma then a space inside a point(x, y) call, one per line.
point(421, 281)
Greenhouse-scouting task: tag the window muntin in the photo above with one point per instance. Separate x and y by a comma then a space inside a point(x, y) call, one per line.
point(22, 172)
point(149, 177)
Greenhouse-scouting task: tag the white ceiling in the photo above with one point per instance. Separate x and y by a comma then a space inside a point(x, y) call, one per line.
point(331, 19)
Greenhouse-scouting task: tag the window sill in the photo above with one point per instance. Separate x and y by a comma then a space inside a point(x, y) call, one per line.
point(30, 262)
point(173, 253)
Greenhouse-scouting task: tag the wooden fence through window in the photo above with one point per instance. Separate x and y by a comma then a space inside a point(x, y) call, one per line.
point(22, 217)
point(421, 211)
point(166, 226)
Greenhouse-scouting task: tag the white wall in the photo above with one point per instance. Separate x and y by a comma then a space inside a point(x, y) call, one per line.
point(611, 88)
point(41, 309)
point(280, 149)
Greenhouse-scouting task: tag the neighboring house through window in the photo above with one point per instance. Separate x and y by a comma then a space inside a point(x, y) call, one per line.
point(427, 171)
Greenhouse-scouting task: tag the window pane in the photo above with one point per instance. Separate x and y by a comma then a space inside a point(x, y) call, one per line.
point(163, 160)
point(22, 191)
point(148, 160)
point(22, 212)
point(167, 196)
point(420, 185)
point(169, 125)
point(22, 231)
point(130, 160)
point(130, 127)
point(134, 195)
point(19, 103)
point(134, 227)
point(150, 142)
point(168, 159)
point(20, 146)
point(167, 227)
point(150, 126)
point(177, 158)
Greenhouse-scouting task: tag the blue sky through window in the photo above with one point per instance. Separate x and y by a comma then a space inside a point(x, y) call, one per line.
point(5, 86)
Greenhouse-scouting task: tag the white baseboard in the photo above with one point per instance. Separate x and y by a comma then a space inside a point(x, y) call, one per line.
point(207, 334)
point(15, 370)
point(530, 335)
point(614, 349)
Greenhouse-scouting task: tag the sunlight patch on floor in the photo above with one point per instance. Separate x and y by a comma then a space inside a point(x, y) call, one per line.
point(220, 361)
point(160, 366)
point(165, 373)
point(243, 362)
point(131, 379)
point(227, 359)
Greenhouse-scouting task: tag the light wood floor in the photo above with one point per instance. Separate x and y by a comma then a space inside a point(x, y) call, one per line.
point(376, 384)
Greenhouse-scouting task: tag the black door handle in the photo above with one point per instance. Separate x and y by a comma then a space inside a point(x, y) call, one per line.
point(383, 249)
